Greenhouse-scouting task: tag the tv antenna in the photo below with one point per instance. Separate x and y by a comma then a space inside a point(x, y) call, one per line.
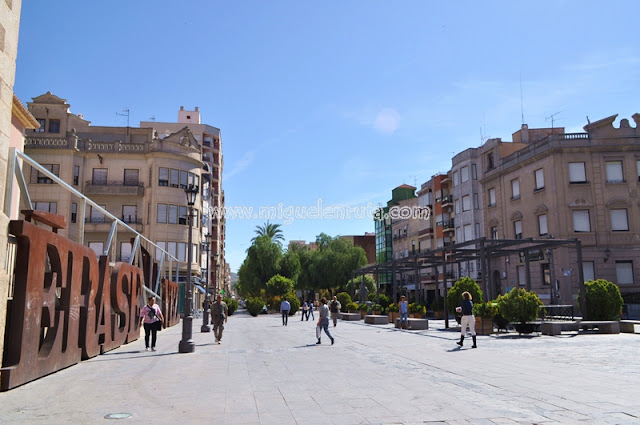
point(153, 118)
point(521, 102)
point(415, 180)
point(552, 118)
point(126, 114)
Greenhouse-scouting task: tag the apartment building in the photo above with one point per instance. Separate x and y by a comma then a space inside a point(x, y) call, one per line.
point(552, 184)
point(366, 242)
point(137, 174)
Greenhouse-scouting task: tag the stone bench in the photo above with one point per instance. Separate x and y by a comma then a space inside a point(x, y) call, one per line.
point(604, 327)
point(414, 324)
point(629, 326)
point(376, 319)
point(350, 316)
point(556, 328)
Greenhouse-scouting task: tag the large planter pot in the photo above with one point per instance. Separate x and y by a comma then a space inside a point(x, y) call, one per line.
point(362, 314)
point(416, 315)
point(393, 316)
point(438, 314)
point(377, 312)
point(484, 325)
point(500, 323)
point(526, 327)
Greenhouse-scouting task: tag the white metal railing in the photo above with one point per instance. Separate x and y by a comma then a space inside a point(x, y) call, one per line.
point(14, 169)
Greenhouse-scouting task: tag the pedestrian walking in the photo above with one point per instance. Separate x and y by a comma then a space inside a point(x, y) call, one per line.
point(305, 311)
point(219, 312)
point(468, 320)
point(323, 320)
point(285, 306)
point(151, 317)
point(335, 310)
point(403, 312)
point(310, 311)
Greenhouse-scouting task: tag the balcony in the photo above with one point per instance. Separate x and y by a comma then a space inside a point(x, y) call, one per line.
point(447, 200)
point(114, 188)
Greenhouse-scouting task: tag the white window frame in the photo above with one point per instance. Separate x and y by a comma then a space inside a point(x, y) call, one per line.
point(577, 172)
point(492, 197)
point(162, 215)
point(517, 229)
point(588, 270)
point(456, 180)
point(515, 189)
point(543, 225)
point(539, 176)
point(624, 272)
point(464, 174)
point(522, 277)
point(614, 172)
point(619, 220)
point(476, 202)
point(468, 232)
point(466, 203)
point(581, 220)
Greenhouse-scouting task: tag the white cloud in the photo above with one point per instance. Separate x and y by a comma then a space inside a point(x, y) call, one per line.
point(387, 121)
point(242, 164)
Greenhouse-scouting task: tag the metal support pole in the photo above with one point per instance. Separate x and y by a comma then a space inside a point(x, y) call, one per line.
point(444, 284)
point(205, 308)
point(583, 289)
point(187, 344)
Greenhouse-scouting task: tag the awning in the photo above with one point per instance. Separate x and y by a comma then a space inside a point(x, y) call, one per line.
point(199, 288)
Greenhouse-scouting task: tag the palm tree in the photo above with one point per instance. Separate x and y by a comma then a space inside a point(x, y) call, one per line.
point(272, 231)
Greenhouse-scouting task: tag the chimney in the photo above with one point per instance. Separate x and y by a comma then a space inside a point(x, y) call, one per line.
point(524, 133)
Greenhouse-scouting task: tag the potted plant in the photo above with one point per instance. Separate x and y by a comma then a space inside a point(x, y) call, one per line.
point(363, 308)
point(393, 312)
point(417, 310)
point(603, 299)
point(437, 305)
point(352, 307)
point(376, 309)
point(484, 313)
point(454, 296)
point(521, 308)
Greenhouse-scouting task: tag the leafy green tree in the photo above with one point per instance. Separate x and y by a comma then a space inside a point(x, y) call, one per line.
point(334, 262)
point(353, 286)
point(279, 285)
point(270, 230)
point(290, 265)
point(254, 305)
point(344, 299)
point(261, 263)
point(464, 284)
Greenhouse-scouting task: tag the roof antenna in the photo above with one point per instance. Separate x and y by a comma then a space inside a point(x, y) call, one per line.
point(153, 118)
point(552, 118)
point(521, 103)
point(124, 115)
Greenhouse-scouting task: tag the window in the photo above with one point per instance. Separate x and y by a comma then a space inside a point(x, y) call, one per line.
point(182, 215)
point(54, 126)
point(182, 251)
point(38, 177)
point(494, 232)
point(581, 221)
point(477, 235)
point(457, 206)
point(76, 175)
point(161, 245)
point(492, 197)
point(99, 176)
point(184, 179)
point(455, 178)
point(131, 177)
point(51, 207)
point(474, 173)
point(43, 125)
point(588, 270)
point(163, 177)
point(619, 220)
point(162, 213)
point(173, 214)
point(476, 203)
point(129, 213)
point(624, 272)
point(577, 173)
point(517, 229)
point(542, 224)
point(464, 174)
point(466, 203)
point(490, 162)
point(171, 248)
point(97, 247)
point(174, 176)
point(125, 251)
point(468, 232)
point(539, 174)
point(546, 274)
point(522, 279)
point(638, 167)
point(74, 212)
point(515, 189)
point(96, 215)
point(614, 172)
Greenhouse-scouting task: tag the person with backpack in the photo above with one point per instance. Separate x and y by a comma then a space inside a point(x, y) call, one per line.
point(335, 310)
point(151, 317)
point(323, 320)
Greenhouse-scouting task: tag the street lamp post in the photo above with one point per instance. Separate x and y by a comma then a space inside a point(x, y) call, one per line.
point(215, 272)
point(187, 345)
point(205, 311)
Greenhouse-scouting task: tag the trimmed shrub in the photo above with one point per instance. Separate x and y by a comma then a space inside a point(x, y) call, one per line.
point(487, 310)
point(344, 299)
point(352, 307)
point(464, 284)
point(519, 305)
point(437, 304)
point(232, 305)
point(294, 301)
point(376, 307)
point(363, 307)
point(393, 308)
point(279, 285)
point(603, 298)
point(384, 301)
point(254, 305)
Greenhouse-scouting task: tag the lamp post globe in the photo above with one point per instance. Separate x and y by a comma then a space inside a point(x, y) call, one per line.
point(187, 344)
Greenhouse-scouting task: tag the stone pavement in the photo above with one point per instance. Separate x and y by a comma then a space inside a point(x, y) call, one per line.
point(264, 373)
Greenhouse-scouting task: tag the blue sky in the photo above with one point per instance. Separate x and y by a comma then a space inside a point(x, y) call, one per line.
point(339, 100)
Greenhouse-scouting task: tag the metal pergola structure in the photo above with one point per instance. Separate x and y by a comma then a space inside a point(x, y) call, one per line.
point(483, 250)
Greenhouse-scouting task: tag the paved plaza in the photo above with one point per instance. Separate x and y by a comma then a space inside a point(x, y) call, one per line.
point(265, 373)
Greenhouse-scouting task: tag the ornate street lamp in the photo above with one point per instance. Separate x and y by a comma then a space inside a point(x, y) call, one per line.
point(205, 311)
point(187, 344)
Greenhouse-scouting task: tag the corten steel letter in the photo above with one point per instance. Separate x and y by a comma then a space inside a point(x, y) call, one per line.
point(125, 290)
point(94, 273)
point(43, 330)
point(170, 303)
